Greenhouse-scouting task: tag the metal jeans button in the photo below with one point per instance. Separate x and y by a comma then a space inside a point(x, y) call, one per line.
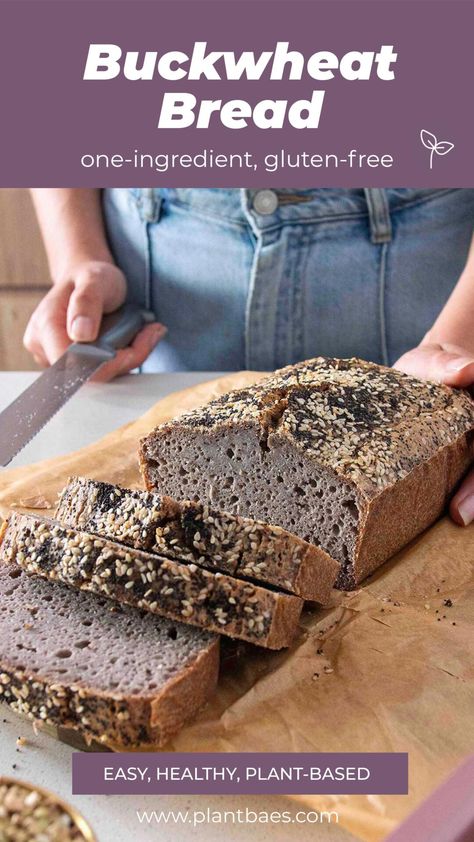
point(265, 202)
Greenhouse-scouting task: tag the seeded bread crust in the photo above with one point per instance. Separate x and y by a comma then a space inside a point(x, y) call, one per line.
point(354, 457)
point(128, 516)
point(192, 532)
point(183, 592)
point(180, 681)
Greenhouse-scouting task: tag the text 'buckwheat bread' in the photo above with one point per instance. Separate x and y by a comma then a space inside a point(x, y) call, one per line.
point(117, 675)
point(354, 457)
point(193, 532)
point(183, 592)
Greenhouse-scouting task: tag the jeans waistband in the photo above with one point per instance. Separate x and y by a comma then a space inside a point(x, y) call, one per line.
point(291, 206)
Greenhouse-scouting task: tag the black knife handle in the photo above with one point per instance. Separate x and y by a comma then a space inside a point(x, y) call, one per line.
point(118, 329)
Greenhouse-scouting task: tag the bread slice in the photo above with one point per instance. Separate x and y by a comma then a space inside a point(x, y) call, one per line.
point(193, 532)
point(351, 456)
point(118, 675)
point(170, 588)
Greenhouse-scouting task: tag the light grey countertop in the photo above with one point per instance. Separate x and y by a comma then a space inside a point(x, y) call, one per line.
point(94, 411)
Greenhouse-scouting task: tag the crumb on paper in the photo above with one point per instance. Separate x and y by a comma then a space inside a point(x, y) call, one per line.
point(37, 725)
point(21, 742)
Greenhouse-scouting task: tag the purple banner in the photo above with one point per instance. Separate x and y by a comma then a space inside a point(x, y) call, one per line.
point(238, 773)
point(367, 93)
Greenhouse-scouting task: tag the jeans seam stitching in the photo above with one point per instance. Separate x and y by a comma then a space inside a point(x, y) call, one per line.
point(248, 304)
point(148, 274)
point(443, 191)
point(225, 220)
point(382, 314)
point(314, 220)
point(241, 224)
point(303, 274)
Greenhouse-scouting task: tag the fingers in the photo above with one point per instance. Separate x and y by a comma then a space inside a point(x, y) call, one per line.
point(32, 345)
point(444, 364)
point(133, 356)
point(98, 288)
point(462, 505)
point(46, 336)
point(72, 311)
point(109, 278)
point(85, 310)
point(451, 365)
point(55, 343)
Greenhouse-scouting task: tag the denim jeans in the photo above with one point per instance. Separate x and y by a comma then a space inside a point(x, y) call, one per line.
point(321, 271)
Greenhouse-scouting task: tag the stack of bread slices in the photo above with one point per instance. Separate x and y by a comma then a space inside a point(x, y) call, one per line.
point(100, 602)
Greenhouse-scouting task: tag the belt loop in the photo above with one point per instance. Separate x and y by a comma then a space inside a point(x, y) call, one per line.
point(246, 197)
point(379, 214)
point(149, 203)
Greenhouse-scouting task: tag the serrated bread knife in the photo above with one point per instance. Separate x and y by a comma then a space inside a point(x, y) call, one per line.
point(28, 413)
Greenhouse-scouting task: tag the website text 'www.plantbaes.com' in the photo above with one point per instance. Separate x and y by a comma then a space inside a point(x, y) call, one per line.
point(236, 817)
point(210, 159)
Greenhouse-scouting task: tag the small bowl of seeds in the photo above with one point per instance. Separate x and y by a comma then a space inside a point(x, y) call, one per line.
point(32, 814)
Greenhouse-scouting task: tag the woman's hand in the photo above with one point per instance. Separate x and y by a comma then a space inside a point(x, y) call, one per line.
point(454, 366)
point(72, 312)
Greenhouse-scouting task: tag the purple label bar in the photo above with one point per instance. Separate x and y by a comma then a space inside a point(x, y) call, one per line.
point(278, 773)
point(414, 129)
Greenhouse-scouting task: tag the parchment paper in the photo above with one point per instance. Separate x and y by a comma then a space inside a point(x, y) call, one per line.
point(389, 667)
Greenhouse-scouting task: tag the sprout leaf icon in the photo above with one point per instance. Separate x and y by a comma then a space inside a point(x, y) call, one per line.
point(430, 141)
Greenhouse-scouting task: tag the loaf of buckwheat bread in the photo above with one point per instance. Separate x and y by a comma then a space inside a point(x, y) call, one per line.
point(115, 674)
point(183, 592)
point(354, 457)
point(193, 532)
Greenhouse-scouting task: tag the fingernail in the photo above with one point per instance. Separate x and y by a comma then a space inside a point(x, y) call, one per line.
point(458, 363)
point(159, 331)
point(82, 329)
point(466, 509)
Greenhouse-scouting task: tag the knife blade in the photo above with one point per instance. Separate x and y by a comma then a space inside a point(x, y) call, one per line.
point(29, 413)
